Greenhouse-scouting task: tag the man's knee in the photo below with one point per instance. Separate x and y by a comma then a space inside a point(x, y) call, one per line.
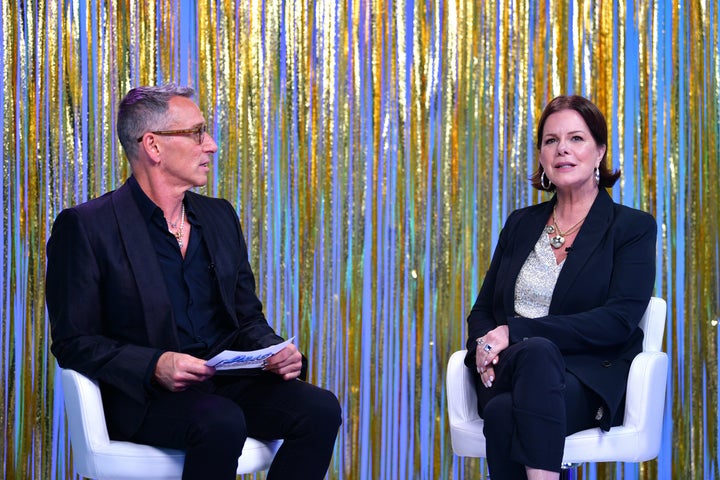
point(221, 421)
point(325, 408)
point(318, 413)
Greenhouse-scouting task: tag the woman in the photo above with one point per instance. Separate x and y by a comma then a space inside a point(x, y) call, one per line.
point(555, 326)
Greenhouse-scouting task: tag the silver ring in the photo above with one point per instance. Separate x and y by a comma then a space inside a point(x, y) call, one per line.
point(480, 341)
point(487, 348)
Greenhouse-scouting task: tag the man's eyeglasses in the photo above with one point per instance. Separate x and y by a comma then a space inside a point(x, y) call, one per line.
point(198, 131)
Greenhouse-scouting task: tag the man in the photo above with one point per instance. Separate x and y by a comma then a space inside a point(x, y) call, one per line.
point(147, 282)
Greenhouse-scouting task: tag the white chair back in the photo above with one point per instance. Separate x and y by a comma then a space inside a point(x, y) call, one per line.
point(653, 325)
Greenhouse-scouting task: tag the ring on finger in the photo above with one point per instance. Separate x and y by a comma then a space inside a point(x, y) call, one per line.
point(487, 348)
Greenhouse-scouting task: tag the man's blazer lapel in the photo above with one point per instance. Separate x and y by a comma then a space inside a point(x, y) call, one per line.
point(215, 228)
point(155, 301)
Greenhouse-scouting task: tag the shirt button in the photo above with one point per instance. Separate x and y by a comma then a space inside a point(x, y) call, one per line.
point(606, 363)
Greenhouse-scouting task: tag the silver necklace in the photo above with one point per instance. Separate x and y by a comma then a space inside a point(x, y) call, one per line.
point(173, 225)
point(179, 232)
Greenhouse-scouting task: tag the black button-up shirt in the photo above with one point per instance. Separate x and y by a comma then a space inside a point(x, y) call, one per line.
point(192, 288)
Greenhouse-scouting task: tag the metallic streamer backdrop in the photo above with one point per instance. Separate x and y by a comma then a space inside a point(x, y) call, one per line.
point(373, 149)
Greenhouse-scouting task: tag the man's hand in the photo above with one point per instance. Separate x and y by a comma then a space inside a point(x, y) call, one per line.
point(177, 371)
point(287, 363)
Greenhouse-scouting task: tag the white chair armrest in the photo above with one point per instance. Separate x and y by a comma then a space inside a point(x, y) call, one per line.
point(638, 438)
point(646, 394)
point(84, 407)
point(462, 399)
point(466, 426)
point(85, 420)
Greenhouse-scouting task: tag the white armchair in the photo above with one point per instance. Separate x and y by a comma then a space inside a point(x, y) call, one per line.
point(636, 440)
point(96, 456)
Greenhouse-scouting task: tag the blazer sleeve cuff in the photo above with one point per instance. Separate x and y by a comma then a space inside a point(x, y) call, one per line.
point(150, 384)
point(517, 330)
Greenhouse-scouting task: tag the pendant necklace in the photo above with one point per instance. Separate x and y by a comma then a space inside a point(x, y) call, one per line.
point(558, 240)
point(173, 225)
point(178, 234)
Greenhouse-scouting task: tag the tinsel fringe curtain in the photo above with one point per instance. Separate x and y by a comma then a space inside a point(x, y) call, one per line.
point(373, 149)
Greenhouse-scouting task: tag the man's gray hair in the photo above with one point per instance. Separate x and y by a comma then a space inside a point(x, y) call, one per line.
point(142, 110)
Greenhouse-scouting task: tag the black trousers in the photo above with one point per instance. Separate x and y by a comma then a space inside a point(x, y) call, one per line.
point(211, 421)
point(530, 408)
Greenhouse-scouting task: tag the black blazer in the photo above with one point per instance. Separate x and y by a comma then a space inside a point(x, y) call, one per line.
point(109, 309)
point(599, 298)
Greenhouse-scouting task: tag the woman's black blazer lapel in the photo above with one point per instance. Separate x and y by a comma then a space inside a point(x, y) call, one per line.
point(525, 236)
point(589, 237)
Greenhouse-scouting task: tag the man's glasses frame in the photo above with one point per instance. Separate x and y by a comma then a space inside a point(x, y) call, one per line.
point(198, 131)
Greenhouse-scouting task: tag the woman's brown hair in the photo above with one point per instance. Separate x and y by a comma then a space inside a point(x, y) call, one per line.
point(597, 125)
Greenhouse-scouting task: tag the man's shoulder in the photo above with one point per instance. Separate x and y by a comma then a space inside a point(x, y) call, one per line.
point(95, 206)
point(199, 197)
point(205, 202)
point(96, 213)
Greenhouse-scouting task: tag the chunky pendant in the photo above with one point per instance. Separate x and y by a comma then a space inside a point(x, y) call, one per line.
point(178, 237)
point(549, 229)
point(557, 241)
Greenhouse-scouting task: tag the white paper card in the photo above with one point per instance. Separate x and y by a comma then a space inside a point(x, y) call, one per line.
point(232, 359)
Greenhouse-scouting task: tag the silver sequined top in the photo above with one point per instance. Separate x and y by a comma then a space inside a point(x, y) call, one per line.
point(536, 280)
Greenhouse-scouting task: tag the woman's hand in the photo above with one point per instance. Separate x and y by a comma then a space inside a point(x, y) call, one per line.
point(487, 375)
point(487, 351)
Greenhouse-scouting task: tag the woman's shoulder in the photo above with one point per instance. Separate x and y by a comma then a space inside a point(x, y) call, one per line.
point(606, 209)
point(628, 214)
point(632, 222)
point(527, 218)
point(630, 211)
point(530, 211)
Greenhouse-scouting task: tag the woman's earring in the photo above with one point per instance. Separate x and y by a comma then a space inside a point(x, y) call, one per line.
point(545, 183)
point(597, 176)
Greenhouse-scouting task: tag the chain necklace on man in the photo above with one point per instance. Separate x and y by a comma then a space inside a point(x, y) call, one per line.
point(558, 240)
point(178, 232)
